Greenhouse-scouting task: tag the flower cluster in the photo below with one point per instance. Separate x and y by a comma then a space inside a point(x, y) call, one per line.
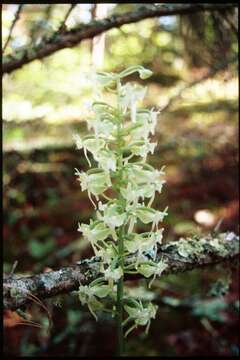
point(122, 187)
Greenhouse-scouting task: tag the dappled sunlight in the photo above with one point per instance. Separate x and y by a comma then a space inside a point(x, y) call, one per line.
point(205, 217)
point(48, 101)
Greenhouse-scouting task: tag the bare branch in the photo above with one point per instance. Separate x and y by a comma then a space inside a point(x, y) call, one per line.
point(233, 27)
point(67, 39)
point(63, 24)
point(17, 15)
point(19, 290)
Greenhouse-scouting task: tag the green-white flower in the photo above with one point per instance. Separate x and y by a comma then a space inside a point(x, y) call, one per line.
point(89, 143)
point(142, 148)
point(152, 269)
point(129, 96)
point(95, 232)
point(107, 254)
point(140, 243)
point(112, 215)
point(105, 79)
point(148, 215)
point(119, 143)
point(143, 181)
point(103, 128)
point(141, 314)
point(113, 275)
point(95, 181)
point(88, 294)
point(106, 159)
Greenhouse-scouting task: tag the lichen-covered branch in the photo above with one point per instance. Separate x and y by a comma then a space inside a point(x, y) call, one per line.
point(180, 256)
point(66, 39)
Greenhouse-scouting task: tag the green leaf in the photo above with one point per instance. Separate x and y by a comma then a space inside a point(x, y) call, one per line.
point(39, 249)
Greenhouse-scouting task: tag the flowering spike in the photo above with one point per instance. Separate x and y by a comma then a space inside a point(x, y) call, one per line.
point(119, 144)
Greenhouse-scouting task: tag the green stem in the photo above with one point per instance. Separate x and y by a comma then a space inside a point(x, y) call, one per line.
point(120, 284)
point(120, 297)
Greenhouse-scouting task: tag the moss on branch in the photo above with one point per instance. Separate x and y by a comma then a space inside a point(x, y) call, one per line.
point(183, 255)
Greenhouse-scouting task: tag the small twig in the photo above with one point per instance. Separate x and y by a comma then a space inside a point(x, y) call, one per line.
point(43, 306)
point(48, 12)
point(30, 323)
point(63, 24)
point(232, 25)
point(12, 26)
point(217, 227)
point(13, 268)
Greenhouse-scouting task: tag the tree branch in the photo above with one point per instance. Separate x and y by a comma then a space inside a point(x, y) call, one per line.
point(201, 252)
point(67, 39)
point(17, 15)
point(63, 24)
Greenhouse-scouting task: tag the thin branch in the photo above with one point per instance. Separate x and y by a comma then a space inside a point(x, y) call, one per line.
point(17, 15)
point(16, 290)
point(48, 12)
point(73, 37)
point(63, 24)
point(232, 25)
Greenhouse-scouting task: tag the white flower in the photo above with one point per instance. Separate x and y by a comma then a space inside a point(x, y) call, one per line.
point(142, 148)
point(82, 178)
point(107, 254)
point(113, 275)
point(96, 182)
point(147, 121)
point(129, 96)
point(113, 215)
point(147, 215)
point(153, 118)
point(159, 216)
point(131, 193)
point(79, 143)
point(103, 128)
point(89, 143)
point(150, 268)
point(142, 131)
point(93, 144)
point(139, 175)
point(106, 159)
point(105, 79)
point(141, 314)
point(139, 243)
point(143, 182)
point(155, 239)
point(88, 295)
point(95, 232)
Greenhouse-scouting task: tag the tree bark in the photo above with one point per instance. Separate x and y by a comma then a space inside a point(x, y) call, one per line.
point(70, 38)
point(202, 252)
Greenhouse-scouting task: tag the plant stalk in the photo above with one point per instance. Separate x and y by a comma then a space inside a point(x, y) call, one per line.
point(120, 284)
point(120, 299)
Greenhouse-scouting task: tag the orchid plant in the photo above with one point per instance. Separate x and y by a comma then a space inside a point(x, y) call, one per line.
point(122, 187)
